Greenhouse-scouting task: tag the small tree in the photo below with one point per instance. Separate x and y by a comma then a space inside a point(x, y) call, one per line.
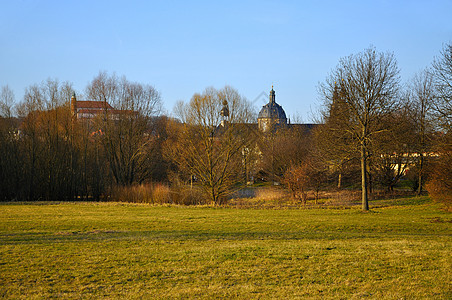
point(440, 184)
point(307, 175)
point(297, 180)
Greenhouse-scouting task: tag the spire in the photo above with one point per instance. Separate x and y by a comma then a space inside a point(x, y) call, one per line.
point(74, 106)
point(224, 113)
point(272, 95)
point(225, 110)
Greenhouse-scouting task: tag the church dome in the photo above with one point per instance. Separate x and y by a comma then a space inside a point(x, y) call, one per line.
point(273, 110)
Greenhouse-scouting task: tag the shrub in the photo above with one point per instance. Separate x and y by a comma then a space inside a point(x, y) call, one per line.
point(161, 194)
point(186, 195)
point(439, 185)
point(269, 193)
point(135, 193)
point(143, 193)
point(158, 194)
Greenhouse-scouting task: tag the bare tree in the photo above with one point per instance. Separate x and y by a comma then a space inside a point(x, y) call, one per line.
point(297, 180)
point(442, 79)
point(333, 145)
point(421, 97)
point(369, 83)
point(6, 102)
point(127, 130)
point(210, 144)
point(45, 134)
point(394, 148)
point(440, 183)
point(283, 148)
point(307, 175)
point(9, 154)
point(30, 109)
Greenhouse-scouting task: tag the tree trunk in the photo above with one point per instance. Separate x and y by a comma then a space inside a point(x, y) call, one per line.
point(421, 166)
point(365, 204)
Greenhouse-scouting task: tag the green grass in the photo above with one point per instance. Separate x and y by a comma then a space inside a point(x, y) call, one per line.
point(107, 250)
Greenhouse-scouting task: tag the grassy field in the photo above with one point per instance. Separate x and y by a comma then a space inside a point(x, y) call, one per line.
point(108, 250)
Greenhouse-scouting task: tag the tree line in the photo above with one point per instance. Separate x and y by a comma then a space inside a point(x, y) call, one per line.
point(370, 124)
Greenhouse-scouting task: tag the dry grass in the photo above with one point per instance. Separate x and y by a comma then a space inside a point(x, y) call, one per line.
point(186, 195)
point(277, 197)
point(271, 193)
point(161, 194)
point(131, 251)
point(158, 194)
point(266, 197)
point(132, 194)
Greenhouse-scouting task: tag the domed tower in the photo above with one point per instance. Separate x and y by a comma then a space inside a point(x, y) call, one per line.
point(272, 115)
point(224, 113)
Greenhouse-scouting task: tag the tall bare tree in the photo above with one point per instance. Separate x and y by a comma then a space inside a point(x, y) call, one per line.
point(440, 183)
point(421, 97)
point(333, 145)
point(45, 133)
point(127, 130)
point(9, 154)
point(369, 83)
point(442, 79)
point(215, 131)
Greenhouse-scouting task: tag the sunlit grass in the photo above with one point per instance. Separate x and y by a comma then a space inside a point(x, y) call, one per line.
point(89, 250)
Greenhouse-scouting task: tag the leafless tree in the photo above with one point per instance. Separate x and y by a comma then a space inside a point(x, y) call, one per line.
point(127, 130)
point(282, 149)
point(442, 79)
point(210, 144)
point(6, 102)
point(394, 149)
point(421, 97)
point(9, 154)
point(369, 83)
point(440, 183)
point(44, 138)
point(333, 145)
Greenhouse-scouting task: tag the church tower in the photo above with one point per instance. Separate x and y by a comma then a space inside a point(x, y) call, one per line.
point(272, 115)
point(73, 107)
point(224, 113)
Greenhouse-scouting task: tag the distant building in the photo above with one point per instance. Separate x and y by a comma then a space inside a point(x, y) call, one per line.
point(90, 109)
point(272, 115)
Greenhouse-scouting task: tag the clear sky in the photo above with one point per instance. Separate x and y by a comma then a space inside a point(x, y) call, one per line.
point(182, 47)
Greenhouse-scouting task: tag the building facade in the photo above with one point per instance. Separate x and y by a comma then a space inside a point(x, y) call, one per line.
point(89, 109)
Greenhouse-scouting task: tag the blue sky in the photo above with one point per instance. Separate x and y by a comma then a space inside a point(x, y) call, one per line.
point(182, 47)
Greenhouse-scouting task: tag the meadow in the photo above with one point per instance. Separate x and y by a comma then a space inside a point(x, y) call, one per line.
point(112, 250)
